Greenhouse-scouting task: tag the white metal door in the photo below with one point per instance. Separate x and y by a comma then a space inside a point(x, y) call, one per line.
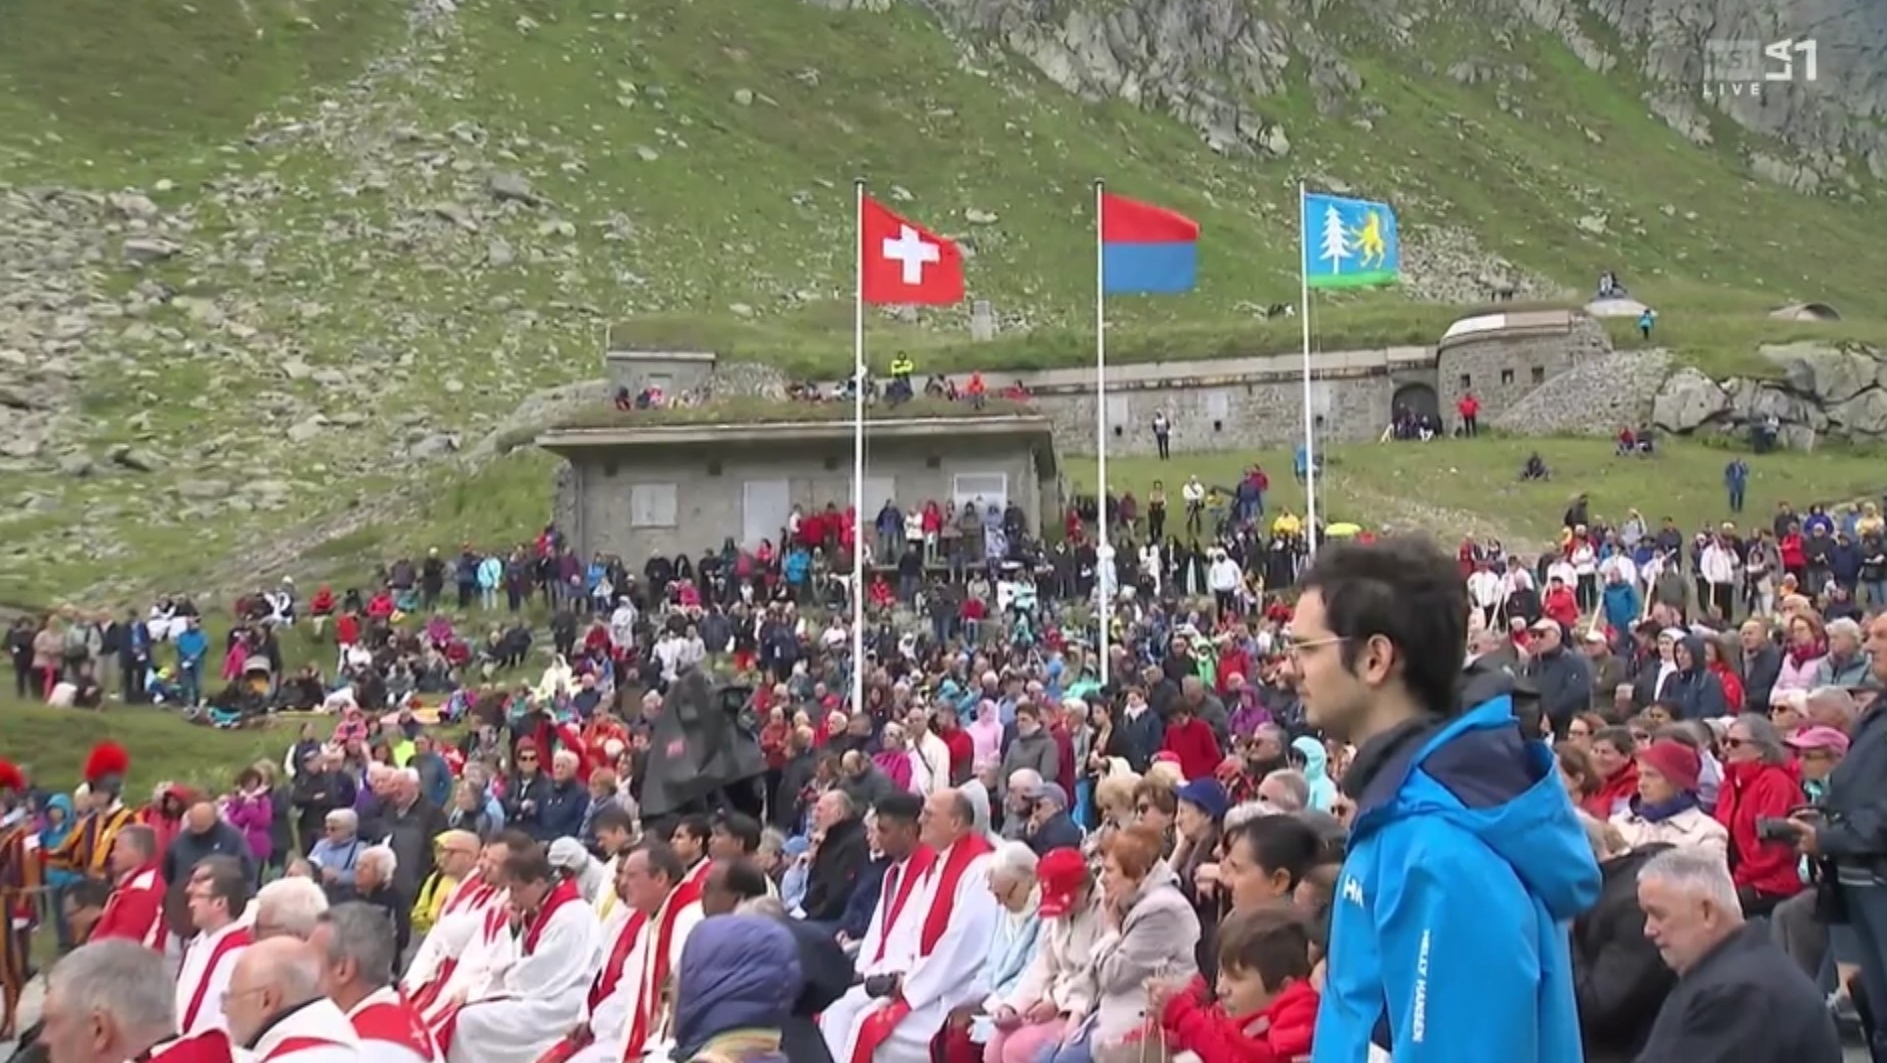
point(765, 505)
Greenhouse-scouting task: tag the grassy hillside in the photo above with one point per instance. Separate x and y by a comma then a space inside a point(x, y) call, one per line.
point(396, 223)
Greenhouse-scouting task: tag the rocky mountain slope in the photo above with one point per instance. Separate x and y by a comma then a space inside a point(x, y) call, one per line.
point(272, 280)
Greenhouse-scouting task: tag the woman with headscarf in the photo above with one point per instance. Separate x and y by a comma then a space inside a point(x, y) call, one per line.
point(735, 988)
point(1198, 822)
point(986, 735)
point(1758, 784)
point(1323, 789)
point(1666, 808)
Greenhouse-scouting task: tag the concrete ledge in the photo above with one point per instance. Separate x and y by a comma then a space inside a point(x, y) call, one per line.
point(566, 441)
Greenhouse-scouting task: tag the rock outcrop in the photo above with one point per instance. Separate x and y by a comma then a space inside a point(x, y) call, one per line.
point(1837, 391)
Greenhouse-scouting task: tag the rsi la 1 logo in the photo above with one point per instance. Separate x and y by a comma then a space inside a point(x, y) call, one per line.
point(1744, 69)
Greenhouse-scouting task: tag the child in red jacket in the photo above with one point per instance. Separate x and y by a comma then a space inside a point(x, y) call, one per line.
point(1266, 1009)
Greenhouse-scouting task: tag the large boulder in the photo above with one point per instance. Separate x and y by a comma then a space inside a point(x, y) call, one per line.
point(1829, 373)
point(1688, 401)
point(1863, 415)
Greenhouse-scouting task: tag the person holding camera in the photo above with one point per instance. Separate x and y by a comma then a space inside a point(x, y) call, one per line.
point(1758, 793)
point(1847, 835)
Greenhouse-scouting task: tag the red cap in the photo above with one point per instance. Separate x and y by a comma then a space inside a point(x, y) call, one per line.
point(1061, 874)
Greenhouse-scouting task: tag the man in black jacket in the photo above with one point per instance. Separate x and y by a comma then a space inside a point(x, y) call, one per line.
point(205, 834)
point(1737, 996)
point(841, 854)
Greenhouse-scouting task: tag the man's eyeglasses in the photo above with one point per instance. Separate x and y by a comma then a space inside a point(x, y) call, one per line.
point(1296, 647)
point(1735, 743)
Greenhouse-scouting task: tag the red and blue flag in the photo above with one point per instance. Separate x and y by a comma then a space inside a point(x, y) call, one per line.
point(1146, 249)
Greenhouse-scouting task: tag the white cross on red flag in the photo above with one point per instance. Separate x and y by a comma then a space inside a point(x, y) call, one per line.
point(905, 263)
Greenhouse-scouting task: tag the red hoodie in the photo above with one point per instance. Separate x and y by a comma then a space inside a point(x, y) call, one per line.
point(1196, 747)
point(1613, 792)
point(1749, 792)
point(1277, 1033)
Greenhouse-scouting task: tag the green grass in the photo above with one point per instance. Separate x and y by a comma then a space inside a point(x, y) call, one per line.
point(699, 155)
point(1452, 487)
point(763, 411)
point(51, 745)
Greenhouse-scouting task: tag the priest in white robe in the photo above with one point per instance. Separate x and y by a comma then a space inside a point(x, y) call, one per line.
point(218, 894)
point(470, 946)
point(627, 1002)
point(458, 856)
point(545, 990)
point(277, 1013)
point(938, 943)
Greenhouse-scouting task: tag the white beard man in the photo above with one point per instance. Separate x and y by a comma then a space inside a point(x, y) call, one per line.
point(112, 1001)
point(543, 993)
point(218, 894)
point(355, 943)
point(925, 949)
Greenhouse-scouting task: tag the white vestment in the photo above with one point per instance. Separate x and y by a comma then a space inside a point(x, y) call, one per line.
point(204, 978)
point(609, 1022)
point(317, 1032)
point(952, 975)
point(483, 960)
point(541, 996)
point(459, 927)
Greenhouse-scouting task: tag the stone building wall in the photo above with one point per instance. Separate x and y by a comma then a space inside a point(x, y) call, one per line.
point(1503, 367)
point(1221, 414)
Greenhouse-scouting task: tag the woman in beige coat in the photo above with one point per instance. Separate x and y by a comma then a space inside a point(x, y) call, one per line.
point(1666, 809)
point(1149, 933)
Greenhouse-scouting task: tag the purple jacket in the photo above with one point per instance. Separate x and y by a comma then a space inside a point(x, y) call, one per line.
point(253, 817)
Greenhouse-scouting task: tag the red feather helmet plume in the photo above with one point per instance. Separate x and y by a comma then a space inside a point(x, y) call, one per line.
point(12, 780)
point(106, 766)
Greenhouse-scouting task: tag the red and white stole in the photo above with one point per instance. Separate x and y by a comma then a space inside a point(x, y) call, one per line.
point(655, 968)
point(386, 1018)
point(878, 1026)
point(891, 906)
point(490, 926)
point(611, 974)
point(236, 938)
point(561, 894)
point(466, 896)
point(293, 1045)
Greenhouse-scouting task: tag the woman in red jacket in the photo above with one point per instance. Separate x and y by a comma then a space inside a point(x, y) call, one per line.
point(1758, 784)
point(1267, 1008)
point(1612, 751)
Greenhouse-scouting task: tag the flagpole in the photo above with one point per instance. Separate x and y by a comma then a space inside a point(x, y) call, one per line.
point(1310, 436)
point(1103, 553)
point(859, 377)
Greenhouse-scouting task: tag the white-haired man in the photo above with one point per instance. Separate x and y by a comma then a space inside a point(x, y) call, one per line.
point(355, 943)
point(374, 883)
point(1737, 995)
point(111, 1001)
point(288, 907)
point(410, 823)
point(277, 1011)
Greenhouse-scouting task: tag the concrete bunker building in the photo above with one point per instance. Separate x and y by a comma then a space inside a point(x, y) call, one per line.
point(639, 484)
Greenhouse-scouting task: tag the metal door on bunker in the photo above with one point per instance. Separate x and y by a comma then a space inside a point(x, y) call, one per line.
point(765, 506)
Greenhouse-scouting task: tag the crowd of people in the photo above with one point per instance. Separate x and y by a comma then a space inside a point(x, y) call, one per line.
point(1617, 801)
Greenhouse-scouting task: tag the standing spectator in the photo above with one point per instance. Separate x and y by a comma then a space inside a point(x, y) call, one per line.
point(1470, 410)
point(1736, 482)
point(250, 810)
point(1737, 996)
point(1758, 785)
point(1163, 434)
point(1449, 941)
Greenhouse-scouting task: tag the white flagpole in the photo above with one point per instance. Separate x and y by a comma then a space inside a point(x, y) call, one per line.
point(1103, 552)
point(859, 377)
point(1310, 436)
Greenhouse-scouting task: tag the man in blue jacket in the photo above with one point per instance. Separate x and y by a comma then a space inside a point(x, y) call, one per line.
point(1448, 938)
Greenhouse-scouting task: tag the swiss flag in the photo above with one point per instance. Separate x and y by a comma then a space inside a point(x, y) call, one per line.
point(905, 262)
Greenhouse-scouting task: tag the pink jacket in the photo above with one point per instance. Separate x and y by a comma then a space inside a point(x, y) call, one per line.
point(253, 816)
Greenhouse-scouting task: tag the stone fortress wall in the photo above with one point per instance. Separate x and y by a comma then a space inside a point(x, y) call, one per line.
point(1545, 372)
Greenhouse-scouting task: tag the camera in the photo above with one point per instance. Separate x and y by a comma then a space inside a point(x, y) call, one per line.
point(1773, 829)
